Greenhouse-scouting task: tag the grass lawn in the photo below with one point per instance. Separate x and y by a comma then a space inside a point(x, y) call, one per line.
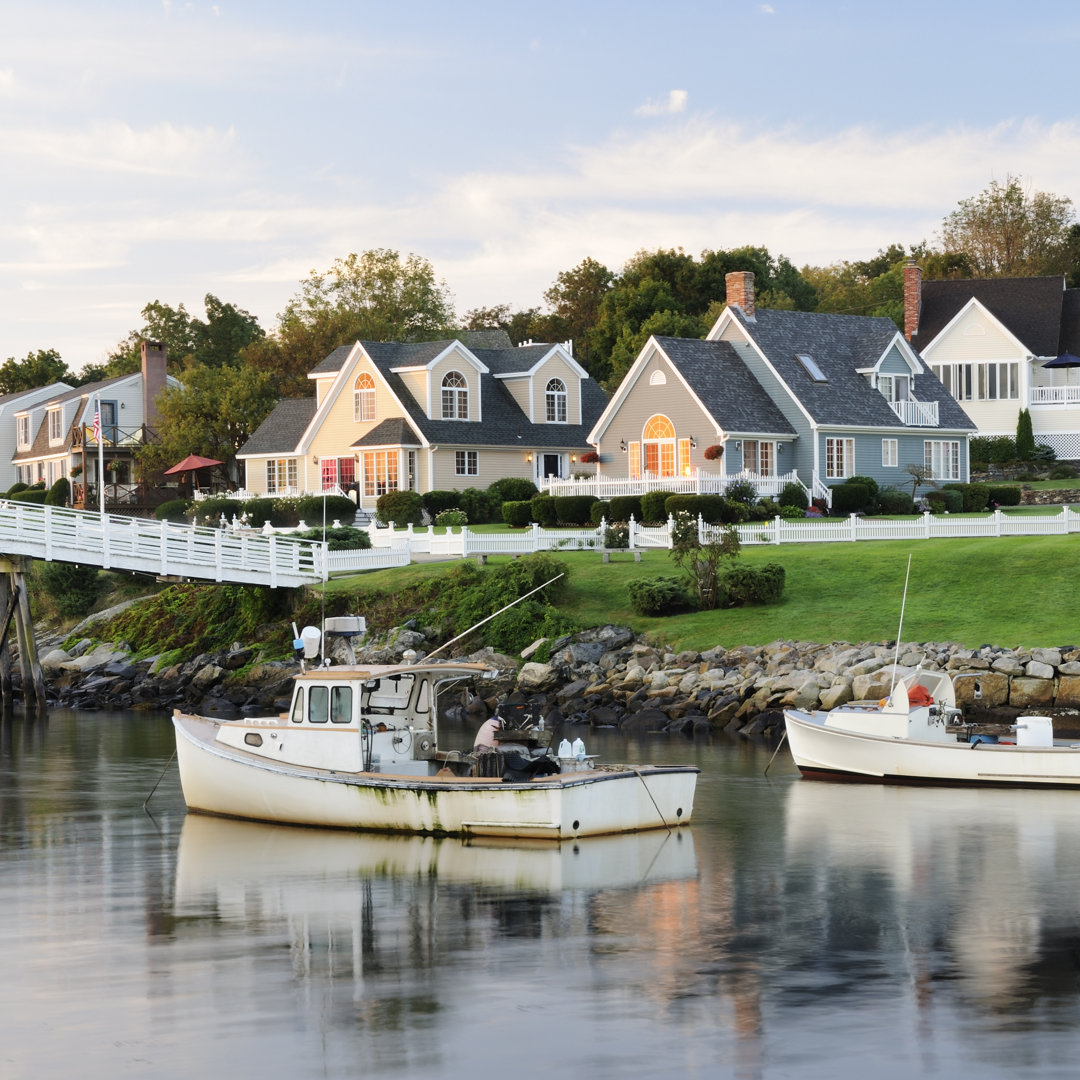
point(1016, 591)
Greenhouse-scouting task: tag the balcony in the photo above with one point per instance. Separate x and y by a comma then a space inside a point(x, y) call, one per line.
point(916, 413)
point(1061, 396)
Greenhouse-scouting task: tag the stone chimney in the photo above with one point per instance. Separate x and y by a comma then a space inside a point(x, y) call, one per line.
point(740, 291)
point(153, 380)
point(912, 298)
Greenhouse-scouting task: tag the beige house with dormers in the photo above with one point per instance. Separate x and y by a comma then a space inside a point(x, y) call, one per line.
point(424, 416)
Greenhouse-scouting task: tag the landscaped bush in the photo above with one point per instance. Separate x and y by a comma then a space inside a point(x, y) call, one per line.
point(763, 510)
point(599, 511)
point(974, 497)
point(73, 589)
point(343, 538)
point(573, 509)
point(175, 510)
point(438, 500)
point(259, 511)
point(754, 584)
point(511, 489)
point(946, 500)
point(849, 499)
point(993, 449)
point(652, 506)
point(338, 508)
point(623, 507)
point(59, 494)
point(517, 514)
point(543, 510)
point(870, 506)
point(658, 596)
point(209, 511)
point(687, 504)
point(617, 535)
point(790, 512)
point(742, 491)
point(1062, 472)
point(478, 505)
point(400, 507)
point(1003, 495)
point(892, 500)
point(1043, 455)
point(35, 495)
point(451, 518)
point(16, 488)
point(793, 494)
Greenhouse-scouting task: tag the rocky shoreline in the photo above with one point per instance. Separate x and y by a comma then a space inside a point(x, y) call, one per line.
point(604, 677)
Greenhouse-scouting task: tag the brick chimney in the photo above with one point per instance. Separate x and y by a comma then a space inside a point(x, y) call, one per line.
point(153, 380)
point(740, 291)
point(912, 298)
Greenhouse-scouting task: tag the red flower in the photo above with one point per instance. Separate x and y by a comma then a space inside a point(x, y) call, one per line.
point(713, 452)
point(590, 456)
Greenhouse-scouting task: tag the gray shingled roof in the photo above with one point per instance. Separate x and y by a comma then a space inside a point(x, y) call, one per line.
point(280, 432)
point(394, 431)
point(1031, 308)
point(716, 373)
point(841, 345)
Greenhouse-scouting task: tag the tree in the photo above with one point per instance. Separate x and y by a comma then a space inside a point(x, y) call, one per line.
point(575, 299)
point(38, 369)
point(1025, 436)
point(1006, 231)
point(701, 561)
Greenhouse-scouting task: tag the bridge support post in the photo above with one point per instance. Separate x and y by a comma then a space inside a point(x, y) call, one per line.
point(16, 607)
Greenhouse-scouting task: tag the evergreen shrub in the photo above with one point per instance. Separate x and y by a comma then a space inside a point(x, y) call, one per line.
point(658, 596)
point(517, 513)
point(849, 499)
point(543, 510)
point(400, 507)
point(573, 509)
point(73, 589)
point(175, 510)
point(622, 507)
point(652, 506)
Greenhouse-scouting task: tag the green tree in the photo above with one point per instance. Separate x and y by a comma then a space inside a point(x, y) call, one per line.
point(1007, 231)
point(38, 369)
point(575, 298)
point(701, 562)
point(1025, 436)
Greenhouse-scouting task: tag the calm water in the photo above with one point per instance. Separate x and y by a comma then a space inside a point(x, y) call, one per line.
point(796, 929)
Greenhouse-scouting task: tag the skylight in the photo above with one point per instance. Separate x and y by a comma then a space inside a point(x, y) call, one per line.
point(812, 369)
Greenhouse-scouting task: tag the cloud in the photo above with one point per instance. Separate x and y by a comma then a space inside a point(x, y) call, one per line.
point(675, 103)
point(768, 9)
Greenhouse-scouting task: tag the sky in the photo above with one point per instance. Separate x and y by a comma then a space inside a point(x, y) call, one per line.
point(163, 150)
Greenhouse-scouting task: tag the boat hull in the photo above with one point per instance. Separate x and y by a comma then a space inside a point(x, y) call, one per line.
point(609, 799)
point(834, 753)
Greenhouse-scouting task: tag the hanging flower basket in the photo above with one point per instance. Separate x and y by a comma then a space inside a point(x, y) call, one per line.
point(714, 452)
point(590, 457)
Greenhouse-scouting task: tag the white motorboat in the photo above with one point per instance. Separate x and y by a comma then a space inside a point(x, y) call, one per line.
point(359, 749)
point(917, 735)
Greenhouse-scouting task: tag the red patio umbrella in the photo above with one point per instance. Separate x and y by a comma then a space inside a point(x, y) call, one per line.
point(192, 463)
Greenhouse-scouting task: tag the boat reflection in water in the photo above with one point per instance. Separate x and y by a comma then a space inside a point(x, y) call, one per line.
point(980, 886)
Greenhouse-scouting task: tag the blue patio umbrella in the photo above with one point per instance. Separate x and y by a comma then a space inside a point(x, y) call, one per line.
point(1065, 360)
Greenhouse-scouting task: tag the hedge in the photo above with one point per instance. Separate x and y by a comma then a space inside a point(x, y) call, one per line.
point(652, 506)
point(754, 584)
point(517, 514)
point(543, 510)
point(849, 498)
point(338, 507)
point(175, 510)
point(1002, 495)
point(658, 596)
point(975, 497)
point(573, 509)
point(511, 489)
point(400, 507)
point(623, 507)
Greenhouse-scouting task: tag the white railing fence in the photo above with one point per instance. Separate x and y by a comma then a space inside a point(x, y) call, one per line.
point(697, 483)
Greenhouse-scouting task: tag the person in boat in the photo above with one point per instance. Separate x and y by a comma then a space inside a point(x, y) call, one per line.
point(485, 737)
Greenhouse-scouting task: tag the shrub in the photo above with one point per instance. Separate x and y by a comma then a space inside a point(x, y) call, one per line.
point(1003, 495)
point(260, 511)
point(73, 589)
point(754, 584)
point(451, 518)
point(511, 489)
point(652, 505)
point(742, 491)
point(1043, 454)
point(993, 449)
point(763, 510)
point(343, 538)
point(686, 504)
point(16, 488)
point(849, 498)
point(543, 510)
point(617, 535)
point(947, 500)
point(573, 509)
point(400, 507)
point(1063, 472)
point(792, 513)
point(1025, 437)
point(623, 507)
point(974, 497)
point(658, 596)
point(794, 494)
point(338, 508)
point(210, 511)
point(435, 502)
point(517, 513)
point(175, 510)
point(892, 500)
point(30, 495)
point(59, 494)
point(598, 512)
point(477, 504)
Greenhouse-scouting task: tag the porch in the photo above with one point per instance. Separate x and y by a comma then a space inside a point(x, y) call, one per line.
point(696, 482)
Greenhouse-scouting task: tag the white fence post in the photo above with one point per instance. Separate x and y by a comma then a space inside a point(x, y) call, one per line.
point(926, 523)
point(670, 530)
point(854, 519)
point(776, 526)
point(631, 533)
point(998, 520)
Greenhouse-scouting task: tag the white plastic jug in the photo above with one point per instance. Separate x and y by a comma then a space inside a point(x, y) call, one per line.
point(564, 749)
point(579, 749)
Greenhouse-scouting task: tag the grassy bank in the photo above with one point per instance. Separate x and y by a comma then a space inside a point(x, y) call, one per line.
point(1012, 592)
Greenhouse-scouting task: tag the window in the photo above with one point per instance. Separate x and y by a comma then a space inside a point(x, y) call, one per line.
point(380, 472)
point(890, 453)
point(318, 705)
point(811, 366)
point(839, 458)
point(759, 457)
point(942, 457)
point(22, 424)
point(635, 461)
point(895, 387)
point(658, 378)
point(337, 472)
point(466, 462)
point(280, 474)
point(980, 382)
point(56, 426)
point(455, 397)
point(685, 468)
point(340, 704)
point(659, 439)
point(556, 401)
point(364, 397)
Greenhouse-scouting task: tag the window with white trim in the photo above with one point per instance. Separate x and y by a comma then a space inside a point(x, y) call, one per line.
point(659, 445)
point(455, 397)
point(942, 458)
point(380, 471)
point(364, 398)
point(56, 425)
point(990, 381)
point(466, 462)
point(22, 426)
point(890, 453)
point(280, 474)
point(555, 399)
point(839, 458)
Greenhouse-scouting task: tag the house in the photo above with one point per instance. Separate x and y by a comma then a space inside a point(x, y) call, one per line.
point(995, 344)
point(56, 435)
point(423, 416)
point(777, 397)
point(15, 419)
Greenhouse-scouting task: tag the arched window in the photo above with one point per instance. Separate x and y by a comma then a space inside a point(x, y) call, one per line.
point(364, 397)
point(556, 401)
point(455, 397)
point(659, 446)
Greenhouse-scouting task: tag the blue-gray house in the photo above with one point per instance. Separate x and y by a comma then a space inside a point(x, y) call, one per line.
point(775, 396)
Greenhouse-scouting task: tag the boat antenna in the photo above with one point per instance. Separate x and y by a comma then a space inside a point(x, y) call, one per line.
point(506, 607)
point(899, 629)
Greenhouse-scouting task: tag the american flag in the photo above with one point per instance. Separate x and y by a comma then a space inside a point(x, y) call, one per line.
point(97, 427)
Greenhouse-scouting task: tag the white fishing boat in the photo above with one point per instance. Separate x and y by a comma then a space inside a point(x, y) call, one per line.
point(359, 749)
point(918, 735)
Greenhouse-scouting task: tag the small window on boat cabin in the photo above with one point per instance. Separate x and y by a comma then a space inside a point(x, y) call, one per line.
point(392, 693)
point(341, 705)
point(318, 704)
point(297, 716)
point(811, 366)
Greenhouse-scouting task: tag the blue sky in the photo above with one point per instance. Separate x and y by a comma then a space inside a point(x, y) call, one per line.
point(158, 149)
